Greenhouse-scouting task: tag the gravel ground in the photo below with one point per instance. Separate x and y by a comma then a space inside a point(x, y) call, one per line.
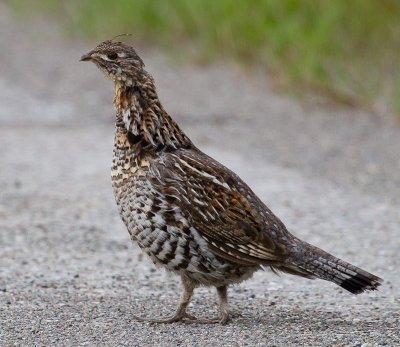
point(68, 272)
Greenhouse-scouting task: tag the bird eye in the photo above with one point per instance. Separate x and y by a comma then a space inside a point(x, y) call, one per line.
point(112, 56)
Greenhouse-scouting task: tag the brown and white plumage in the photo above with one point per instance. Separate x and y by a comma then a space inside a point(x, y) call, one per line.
point(188, 212)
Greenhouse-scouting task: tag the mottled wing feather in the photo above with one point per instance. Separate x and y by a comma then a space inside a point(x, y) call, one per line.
point(222, 208)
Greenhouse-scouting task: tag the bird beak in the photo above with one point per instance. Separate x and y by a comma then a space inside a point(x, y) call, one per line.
point(86, 57)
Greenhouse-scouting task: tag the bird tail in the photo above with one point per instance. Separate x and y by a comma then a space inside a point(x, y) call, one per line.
point(314, 262)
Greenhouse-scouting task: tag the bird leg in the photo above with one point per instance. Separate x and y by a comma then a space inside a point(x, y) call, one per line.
point(180, 314)
point(223, 304)
point(223, 317)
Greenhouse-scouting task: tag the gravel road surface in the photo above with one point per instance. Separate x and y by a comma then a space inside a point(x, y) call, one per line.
point(68, 272)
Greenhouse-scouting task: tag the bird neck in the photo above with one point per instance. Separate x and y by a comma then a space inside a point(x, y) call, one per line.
point(141, 118)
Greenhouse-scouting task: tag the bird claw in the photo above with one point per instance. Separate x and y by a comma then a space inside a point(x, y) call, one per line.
point(223, 320)
point(185, 317)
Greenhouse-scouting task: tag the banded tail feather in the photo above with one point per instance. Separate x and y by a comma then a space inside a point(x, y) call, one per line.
point(320, 264)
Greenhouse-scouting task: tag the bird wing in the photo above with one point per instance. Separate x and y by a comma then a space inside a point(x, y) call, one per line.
point(222, 208)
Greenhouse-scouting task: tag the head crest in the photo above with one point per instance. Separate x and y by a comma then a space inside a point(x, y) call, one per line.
point(120, 35)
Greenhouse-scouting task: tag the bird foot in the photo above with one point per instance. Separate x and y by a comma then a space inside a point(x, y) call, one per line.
point(186, 318)
point(177, 317)
point(222, 319)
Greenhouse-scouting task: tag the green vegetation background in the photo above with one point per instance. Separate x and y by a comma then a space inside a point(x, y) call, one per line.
point(347, 50)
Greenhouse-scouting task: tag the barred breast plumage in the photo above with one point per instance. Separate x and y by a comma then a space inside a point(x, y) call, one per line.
point(149, 197)
point(188, 212)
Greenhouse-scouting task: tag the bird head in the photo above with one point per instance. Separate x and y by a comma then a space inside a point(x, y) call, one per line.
point(118, 61)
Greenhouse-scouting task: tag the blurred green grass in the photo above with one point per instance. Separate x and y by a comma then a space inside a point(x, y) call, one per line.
point(345, 50)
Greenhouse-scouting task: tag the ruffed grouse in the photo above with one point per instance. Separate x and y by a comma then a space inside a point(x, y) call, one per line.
point(188, 212)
